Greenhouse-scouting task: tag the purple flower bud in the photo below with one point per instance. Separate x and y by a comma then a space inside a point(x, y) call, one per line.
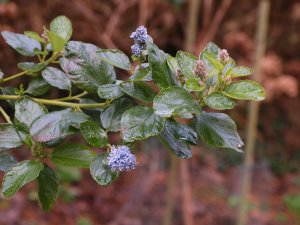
point(121, 159)
point(136, 50)
point(200, 68)
point(224, 56)
point(140, 35)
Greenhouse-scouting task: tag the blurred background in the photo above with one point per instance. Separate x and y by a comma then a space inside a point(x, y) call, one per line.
point(205, 189)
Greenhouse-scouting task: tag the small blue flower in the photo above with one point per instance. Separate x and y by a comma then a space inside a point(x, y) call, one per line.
point(121, 159)
point(136, 50)
point(140, 35)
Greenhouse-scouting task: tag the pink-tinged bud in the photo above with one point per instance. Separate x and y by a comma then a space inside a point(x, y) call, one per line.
point(224, 56)
point(200, 68)
point(200, 82)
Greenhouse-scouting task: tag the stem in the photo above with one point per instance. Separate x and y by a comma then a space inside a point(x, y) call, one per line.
point(7, 118)
point(264, 9)
point(13, 76)
point(57, 102)
point(75, 97)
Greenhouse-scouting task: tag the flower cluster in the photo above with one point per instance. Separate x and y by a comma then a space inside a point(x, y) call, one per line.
point(139, 36)
point(121, 159)
point(200, 68)
point(224, 56)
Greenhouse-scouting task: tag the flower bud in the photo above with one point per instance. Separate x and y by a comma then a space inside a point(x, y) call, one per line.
point(200, 68)
point(224, 56)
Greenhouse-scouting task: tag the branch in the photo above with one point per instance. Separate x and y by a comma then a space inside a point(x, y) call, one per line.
point(58, 102)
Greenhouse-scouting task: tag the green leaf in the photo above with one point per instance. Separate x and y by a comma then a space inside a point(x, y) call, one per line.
point(19, 175)
point(241, 71)
point(73, 155)
point(115, 57)
point(228, 67)
point(158, 63)
point(172, 64)
point(10, 137)
point(56, 78)
point(139, 90)
point(213, 61)
point(31, 67)
point(142, 73)
point(139, 123)
point(245, 90)
point(9, 91)
point(48, 188)
point(56, 124)
point(182, 132)
point(57, 42)
point(175, 101)
point(62, 27)
point(219, 101)
point(34, 36)
point(169, 137)
point(111, 116)
point(6, 161)
point(21, 43)
point(186, 62)
point(27, 111)
point(85, 68)
point(218, 130)
point(212, 52)
point(93, 134)
point(212, 49)
point(1, 74)
point(213, 79)
point(101, 172)
point(192, 84)
point(110, 91)
point(37, 86)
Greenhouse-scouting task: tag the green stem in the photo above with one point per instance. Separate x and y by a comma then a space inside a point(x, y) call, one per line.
point(13, 76)
point(75, 97)
point(7, 118)
point(58, 103)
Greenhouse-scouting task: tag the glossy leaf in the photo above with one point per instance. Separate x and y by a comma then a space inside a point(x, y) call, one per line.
point(62, 27)
point(93, 134)
point(56, 124)
point(192, 84)
point(158, 63)
point(27, 111)
point(143, 73)
point(213, 61)
point(6, 161)
point(84, 67)
point(21, 43)
point(56, 78)
point(175, 101)
point(218, 130)
point(115, 57)
point(245, 90)
point(31, 67)
point(139, 90)
point(241, 71)
point(168, 138)
point(57, 42)
point(34, 36)
point(186, 62)
point(48, 188)
point(182, 132)
point(111, 116)
point(10, 137)
point(110, 91)
point(19, 175)
point(73, 155)
point(1, 74)
point(101, 172)
point(219, 101)
point(37, 86)
point(139, 123)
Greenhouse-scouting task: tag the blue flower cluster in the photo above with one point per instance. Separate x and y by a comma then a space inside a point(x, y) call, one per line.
point(139, 36)
point(121, 159)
